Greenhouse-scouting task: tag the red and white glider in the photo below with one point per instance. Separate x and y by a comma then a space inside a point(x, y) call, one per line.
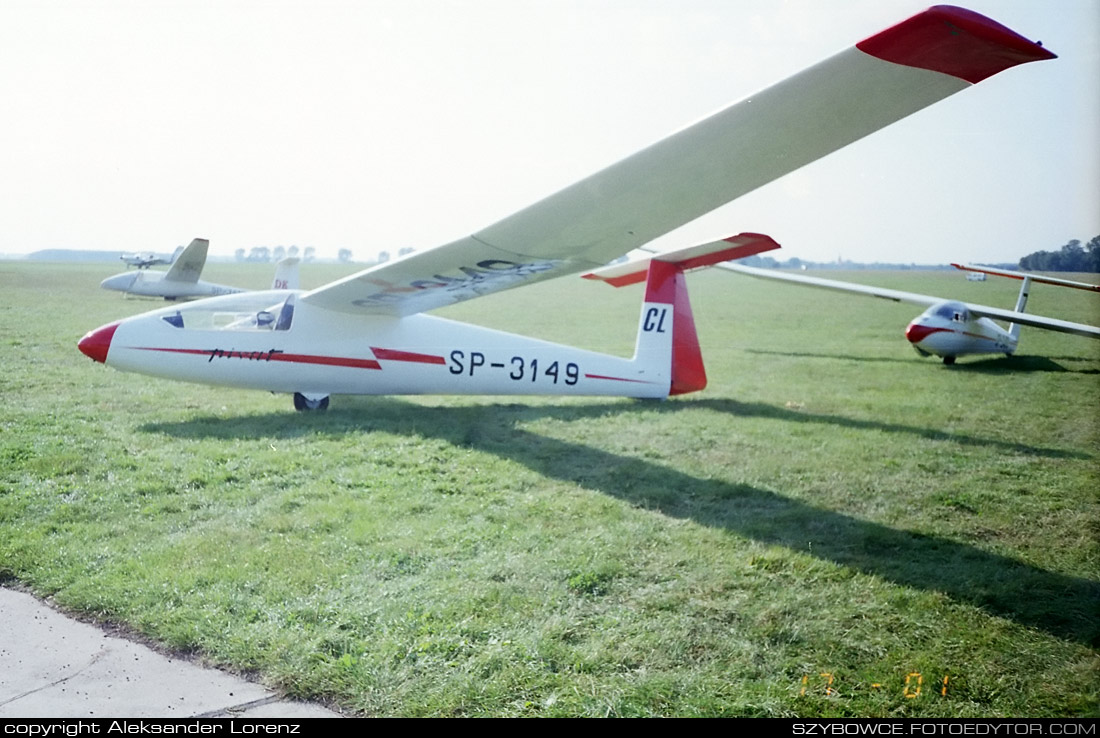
point(950, 328)
point(368, 334)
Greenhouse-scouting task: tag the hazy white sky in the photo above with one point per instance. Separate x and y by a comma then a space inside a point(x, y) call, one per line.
point(375, 125)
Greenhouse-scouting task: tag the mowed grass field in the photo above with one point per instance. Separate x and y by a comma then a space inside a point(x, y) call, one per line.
point(833, 527)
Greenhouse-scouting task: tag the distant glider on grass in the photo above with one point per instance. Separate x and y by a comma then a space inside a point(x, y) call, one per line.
point(951, 328)
point(367, 334)
point(182, 280)
point(144, 260)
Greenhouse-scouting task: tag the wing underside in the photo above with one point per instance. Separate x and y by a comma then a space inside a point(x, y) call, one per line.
point(748, 144)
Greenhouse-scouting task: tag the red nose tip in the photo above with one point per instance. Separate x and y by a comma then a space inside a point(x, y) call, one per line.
point(917, 333)
point(97, 343)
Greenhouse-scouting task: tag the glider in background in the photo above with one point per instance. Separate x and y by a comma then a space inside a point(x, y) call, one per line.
point(182, 280)
point(950, 328)
point(368, 334)
point(148, 259)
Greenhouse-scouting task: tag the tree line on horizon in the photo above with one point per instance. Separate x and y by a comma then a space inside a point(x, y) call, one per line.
point(1073, 257)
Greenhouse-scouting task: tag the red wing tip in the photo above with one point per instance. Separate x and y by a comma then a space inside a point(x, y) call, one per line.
point(954, 41)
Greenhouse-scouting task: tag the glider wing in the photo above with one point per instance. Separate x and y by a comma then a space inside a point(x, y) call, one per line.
point(1034, 277)
point(748, 144)
point(832, 284)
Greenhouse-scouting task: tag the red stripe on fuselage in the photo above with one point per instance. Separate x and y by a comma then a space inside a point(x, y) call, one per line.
point(328, 361)
point(616, 379)
point(212, 354)
point(410, 356)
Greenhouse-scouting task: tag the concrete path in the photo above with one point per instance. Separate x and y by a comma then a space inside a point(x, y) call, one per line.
point(52, 666)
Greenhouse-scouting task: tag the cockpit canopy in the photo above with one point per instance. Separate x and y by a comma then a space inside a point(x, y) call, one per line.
point(953, 311)
point(245, 311)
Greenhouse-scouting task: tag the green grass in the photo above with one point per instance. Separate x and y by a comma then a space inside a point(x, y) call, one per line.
point(831, 514)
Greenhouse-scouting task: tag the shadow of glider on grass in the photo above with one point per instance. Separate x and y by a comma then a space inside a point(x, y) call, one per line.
point(368, 334)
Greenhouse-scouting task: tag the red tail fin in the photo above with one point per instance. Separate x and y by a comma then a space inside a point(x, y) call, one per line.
point(666, 284)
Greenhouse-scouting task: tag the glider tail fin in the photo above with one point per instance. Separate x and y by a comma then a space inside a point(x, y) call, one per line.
point(188, 266)
point(1021, 303)
point(667, 328)
point(286, 274)
point(666, 331)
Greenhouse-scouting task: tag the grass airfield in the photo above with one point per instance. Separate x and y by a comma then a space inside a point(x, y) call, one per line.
point(835, 527)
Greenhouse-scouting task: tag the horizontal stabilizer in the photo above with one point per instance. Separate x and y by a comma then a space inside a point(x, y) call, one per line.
point(693, 257)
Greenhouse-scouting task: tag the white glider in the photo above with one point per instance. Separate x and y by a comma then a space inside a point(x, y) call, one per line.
point(148, 259)
point(367, 334)
point(182, 281)
point(950, 328)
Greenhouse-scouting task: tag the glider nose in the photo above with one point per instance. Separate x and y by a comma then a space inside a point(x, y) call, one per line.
point(121, 282)
point(916, 332)
point(97, 343)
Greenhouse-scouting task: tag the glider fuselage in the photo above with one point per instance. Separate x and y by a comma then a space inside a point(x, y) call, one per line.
point(153, 284)
point(949, 330)
point(271, 341)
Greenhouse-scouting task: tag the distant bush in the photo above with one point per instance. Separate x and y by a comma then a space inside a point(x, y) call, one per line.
point(1071, 258)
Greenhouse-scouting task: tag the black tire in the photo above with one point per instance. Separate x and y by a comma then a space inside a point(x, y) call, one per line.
point(304, 404)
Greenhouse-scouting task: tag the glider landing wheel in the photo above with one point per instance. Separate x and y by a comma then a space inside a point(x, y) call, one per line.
point(303, 403)
point(949, 360)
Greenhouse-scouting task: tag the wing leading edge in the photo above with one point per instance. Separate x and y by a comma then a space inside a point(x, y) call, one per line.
point(748, 144)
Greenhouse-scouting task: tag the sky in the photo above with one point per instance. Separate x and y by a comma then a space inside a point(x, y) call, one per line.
point(375, 125)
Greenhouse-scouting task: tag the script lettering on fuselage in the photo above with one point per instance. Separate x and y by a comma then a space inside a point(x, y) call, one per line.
point(248, 355)
point(484, 272)
point(517, 368)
